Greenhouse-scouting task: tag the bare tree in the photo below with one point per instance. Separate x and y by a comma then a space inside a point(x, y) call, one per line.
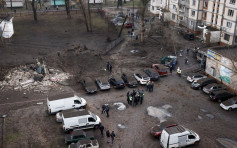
point(89, 14)
point(84, 14)
point(67, 5)
point(119, 3)
point(142, 23)
point(33, 4)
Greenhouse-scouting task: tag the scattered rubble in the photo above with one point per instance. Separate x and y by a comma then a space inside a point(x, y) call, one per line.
point(210, 116)
point(28, 78)
point(121, 126)
point(120, 105)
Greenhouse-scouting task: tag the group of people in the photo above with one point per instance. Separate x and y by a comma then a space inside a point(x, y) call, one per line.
point(109, 67)
point(105, 108)
point(108, 134)
point(135, 97)
point(149, 86)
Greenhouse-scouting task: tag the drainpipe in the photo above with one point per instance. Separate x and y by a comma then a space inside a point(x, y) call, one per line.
point(197, 14)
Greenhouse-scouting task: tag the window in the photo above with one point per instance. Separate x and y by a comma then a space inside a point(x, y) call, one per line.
point(204, 15)
point(91, 119)
point(77, 102)
point(226, 37)
point(230, 12)
point(191, 137)
point(193, 13)
point(205, 5)
point(152, 7)
point(235, 39)
point(232, 1)
point(174, 7)
point(173, 16)
point(228, 24)
point(191, 23)
point(194, 2)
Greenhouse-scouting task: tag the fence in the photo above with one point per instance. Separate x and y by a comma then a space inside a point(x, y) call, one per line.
point(114, 44)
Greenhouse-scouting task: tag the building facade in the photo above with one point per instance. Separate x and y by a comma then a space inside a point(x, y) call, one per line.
point(219, 14)
point(221, 64)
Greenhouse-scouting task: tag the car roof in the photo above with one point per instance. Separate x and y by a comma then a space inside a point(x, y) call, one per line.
point(175, 129)
point(221, 91)
point(74, 114)
point(84, 141)
point(205, 79)
point(152, 70)
point(213, 84)
point(61, 96)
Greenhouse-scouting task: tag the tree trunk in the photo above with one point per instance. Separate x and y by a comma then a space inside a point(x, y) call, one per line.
point(89, 12)
point(84, 13)
point(142, 25)
point(11, 4)
point(67, 5)
point(34, 9)
point(26, 4)
point(122, 26)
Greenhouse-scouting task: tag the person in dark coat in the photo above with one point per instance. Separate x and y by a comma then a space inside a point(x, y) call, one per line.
point(142, 96)
point(103, 108)
point(107, 110)
point(128, 94)
point(102, 130)
point(112, 137)
point(110, 68)
point(107, 66)
point(107, 135)
point(171, 69)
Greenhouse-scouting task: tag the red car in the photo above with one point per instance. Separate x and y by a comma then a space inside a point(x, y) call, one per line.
point(160, 70)
point(128, 25)
point(157, 130)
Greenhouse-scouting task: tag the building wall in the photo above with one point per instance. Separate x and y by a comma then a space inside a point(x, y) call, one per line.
point(222, 67)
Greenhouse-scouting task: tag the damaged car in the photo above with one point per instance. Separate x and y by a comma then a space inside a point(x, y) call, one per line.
point(89, 85)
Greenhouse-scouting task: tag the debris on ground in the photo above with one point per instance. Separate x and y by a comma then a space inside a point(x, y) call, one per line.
point(40, 103)
point(210, 116)
point(121, 126)
point(159, 112)
point(200, 117)
point(227, 143)
point(29, 77)
point(120, 105)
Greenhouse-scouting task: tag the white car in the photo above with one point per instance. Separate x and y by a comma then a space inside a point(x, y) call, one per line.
point(141, 79)
point(229, 104)
point(195, 77)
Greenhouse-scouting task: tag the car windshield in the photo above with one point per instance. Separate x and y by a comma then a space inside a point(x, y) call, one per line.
point(146, 78)
point(94, 116)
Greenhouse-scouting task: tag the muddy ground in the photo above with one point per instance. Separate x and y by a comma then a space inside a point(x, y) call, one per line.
point(28, 125)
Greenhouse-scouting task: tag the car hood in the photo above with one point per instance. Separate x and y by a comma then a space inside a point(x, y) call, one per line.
point(156, 128)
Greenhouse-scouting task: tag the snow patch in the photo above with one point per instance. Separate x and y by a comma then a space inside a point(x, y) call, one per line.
point(120, 105)
point(159, 112)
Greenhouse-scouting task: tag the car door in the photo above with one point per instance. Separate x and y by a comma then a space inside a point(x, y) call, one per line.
point(191, 139)
point(82, 122)
point(91, 122)
point(182, 140)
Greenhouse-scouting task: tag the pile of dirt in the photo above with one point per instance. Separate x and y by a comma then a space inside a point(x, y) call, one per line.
point(3, 71)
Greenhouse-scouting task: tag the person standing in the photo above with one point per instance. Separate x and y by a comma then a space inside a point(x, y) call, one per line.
point(187, 51)
point(128, 94)
point(148, 85)
point(151, 86)
point(103, 108)
point(130, 99)
point(179, 72)
point(112, 137)
point(110, 68)
point(107, 110)
point(186, 60)
point(107, 66)
point(102, 130)
point(142, 96)
point(171, 69)
point(107, 135)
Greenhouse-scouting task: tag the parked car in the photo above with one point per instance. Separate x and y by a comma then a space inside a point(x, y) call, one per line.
point(169, 60)
point(77, 135)
point(221, 95)
point(129, 80)
point(116, 82)
point(116, 19)
point(189, 36)
point(213, 87)
point(89, 85)
point(162, 71)
point(178, 136)
point(128, 25)
point(65, 101)
point(84, 120)
point(154, 76)
point(141, 77)
point(103, 83)
point(195, 77)
point(157, 130)
point(85, 143)
point(75, 112)
point(199, 84)
point(229, 104)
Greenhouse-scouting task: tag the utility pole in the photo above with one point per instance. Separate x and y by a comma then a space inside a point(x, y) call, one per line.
point(133, 13)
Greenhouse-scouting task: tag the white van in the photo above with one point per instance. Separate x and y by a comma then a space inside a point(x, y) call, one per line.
point(59, 115)
point(64, 102)
point(83, 120)
point(178, 136)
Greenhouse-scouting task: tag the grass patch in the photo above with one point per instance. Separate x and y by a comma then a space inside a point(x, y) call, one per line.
point(12, 137)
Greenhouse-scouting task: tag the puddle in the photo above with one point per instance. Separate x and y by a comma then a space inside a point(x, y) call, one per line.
point(210, 116)
point(121, 126)
point(120, 105)
point(159, 112)
point(227, 143)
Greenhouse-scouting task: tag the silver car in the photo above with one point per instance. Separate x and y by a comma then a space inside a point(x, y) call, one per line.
point(213, 87)
point(195, 77)
point(103, 83)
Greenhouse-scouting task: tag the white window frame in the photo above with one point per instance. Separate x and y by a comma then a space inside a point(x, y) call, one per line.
point(228, 24)
point(230, 12)
point(194, 2)
point(232, 1)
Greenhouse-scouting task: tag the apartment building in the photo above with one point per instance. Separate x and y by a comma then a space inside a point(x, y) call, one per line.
point(156, 6)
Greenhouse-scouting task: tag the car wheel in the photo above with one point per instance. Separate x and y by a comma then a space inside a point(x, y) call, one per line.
point(230, 109)
point(196, 143)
